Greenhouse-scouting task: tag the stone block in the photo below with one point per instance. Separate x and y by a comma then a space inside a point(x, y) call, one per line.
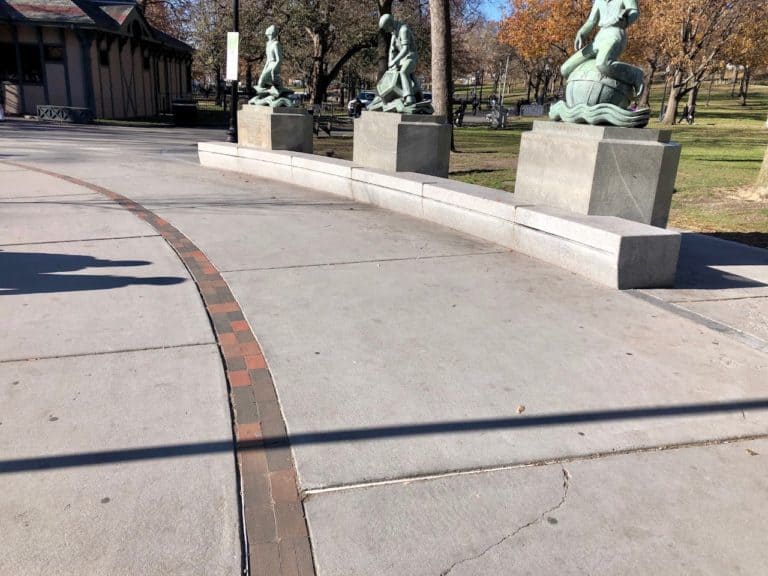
point(331, 175)
point(408, 183)
point(388, 198)
point(496, 203)
point(219, 155)
point(479, 224)
point(275, 128)
point(612, 251)
point(598, 170)
point(402, 143)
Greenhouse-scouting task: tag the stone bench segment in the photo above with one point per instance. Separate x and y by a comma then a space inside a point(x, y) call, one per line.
point(611, 251)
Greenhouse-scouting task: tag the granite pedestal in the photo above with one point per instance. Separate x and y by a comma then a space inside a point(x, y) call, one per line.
point(598, 170)
point(402, 143)
point(275, 128)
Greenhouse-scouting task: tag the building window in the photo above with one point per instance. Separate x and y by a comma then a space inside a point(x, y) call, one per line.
point(104, 57)
point(31, 65)
point(54, 53)
point(8, 62)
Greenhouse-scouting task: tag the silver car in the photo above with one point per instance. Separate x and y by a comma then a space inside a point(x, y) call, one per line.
point(365, 98)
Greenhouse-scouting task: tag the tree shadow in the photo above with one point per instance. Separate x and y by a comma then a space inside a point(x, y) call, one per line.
point(40, 273)
point(756, 239)
point(701, 255)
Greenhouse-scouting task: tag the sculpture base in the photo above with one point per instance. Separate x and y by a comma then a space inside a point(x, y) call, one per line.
point(596, 170)
point(402, 143)
point(600, 114)
point(274, 97)
point(275, 128)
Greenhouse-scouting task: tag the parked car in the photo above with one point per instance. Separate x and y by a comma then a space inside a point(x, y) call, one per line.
point(297, 98)
point(365, 98)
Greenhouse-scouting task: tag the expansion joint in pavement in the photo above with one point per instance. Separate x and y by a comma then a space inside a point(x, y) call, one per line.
point(275, 539)
point(105, 352)
point(80, 240)
point(676, 308)
point(561, 461)
point(372, 261)
point(732, 299)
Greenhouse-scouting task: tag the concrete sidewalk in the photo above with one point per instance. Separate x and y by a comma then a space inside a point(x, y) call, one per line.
point(106, 352)
point(456, 408)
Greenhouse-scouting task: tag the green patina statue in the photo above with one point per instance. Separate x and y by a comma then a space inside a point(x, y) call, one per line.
point(398, 89)
point(270, 90)
point(599, 88)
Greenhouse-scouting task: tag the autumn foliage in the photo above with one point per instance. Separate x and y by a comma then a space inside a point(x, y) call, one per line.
point(685, 41)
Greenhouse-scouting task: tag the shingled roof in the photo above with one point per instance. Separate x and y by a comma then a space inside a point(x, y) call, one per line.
point(97, 14)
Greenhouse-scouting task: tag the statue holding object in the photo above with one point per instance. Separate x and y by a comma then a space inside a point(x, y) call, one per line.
point(599, 88)
point(270, 90)
point(398, 89)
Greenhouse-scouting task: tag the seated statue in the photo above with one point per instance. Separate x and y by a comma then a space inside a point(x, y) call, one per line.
point(398, 89)
point(599, 88)
point(269, 89)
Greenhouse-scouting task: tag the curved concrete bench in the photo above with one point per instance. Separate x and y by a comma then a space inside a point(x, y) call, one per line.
point(611, 251)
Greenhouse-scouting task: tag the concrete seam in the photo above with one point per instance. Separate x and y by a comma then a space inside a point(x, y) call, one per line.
point(46, 195)
point(307, 494)
point(564, 238)
point(351, 262)
point(681, 302)
point(81, 240)
point(744, 337)
point(105, 352)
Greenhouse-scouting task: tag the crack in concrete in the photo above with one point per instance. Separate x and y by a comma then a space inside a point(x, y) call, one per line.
point(538, 519)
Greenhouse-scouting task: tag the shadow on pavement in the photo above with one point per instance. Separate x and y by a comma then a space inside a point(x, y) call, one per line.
point(39, 273)
point(756, 239)
point(375, 433)
point(701, 255)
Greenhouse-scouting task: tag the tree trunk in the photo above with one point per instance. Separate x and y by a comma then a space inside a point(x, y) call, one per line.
point(762, 179)
point(219, 91)
point(317, 83)
point(692, 96)
point(382, 57)
point(440, 38)
point(248, 78)
point(645, 99)
point(537, 87)
point(675, 93)
point(744, 88)
point(530, 85)
point(735, 79)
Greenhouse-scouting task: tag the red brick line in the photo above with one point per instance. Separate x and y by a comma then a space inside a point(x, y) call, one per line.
point(274, 523)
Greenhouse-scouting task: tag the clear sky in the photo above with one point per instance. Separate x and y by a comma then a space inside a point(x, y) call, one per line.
point(492, 9)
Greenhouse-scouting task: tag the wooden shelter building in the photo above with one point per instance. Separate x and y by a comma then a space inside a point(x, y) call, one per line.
point(99, 55)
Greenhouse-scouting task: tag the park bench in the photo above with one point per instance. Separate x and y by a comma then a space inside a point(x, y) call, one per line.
point(64, 114)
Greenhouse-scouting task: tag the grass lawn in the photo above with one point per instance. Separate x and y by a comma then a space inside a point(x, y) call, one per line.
point(721, 158)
